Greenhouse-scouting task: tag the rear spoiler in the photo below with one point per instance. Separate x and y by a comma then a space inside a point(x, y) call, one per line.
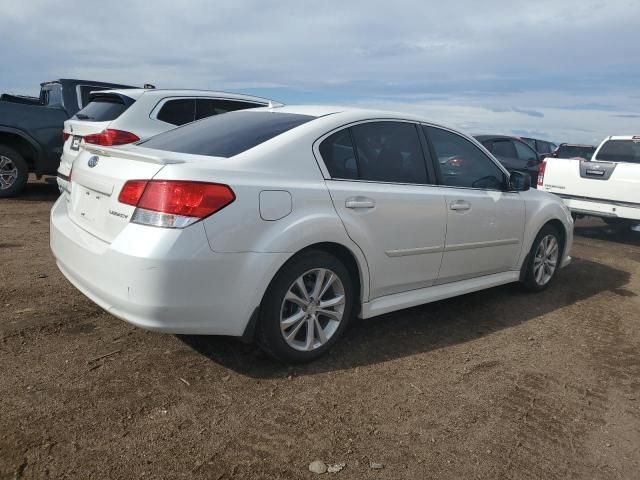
point(130, 155)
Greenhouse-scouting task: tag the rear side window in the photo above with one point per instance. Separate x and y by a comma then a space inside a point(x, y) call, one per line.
point(389, 152)
point(627, 151)
point(104, 108)
point(206, 107)
point(502, 148)
point(226, 135)
point(178, 112)
point(339, 155)
point(524, 151)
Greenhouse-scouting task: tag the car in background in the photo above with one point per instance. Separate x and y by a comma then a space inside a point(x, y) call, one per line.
point(543, 147)
point(574, 150)
point(30, 129)
point(120, 117)
point(515, 154)
point(279, 224)
point(604, 186)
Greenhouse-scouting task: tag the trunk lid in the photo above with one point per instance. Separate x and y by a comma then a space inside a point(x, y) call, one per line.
point(98, 177)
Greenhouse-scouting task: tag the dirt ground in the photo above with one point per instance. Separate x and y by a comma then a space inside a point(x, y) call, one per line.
point(496, 384)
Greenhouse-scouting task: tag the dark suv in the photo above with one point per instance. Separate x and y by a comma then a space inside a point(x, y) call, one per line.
point(513, 153)
point(31, 129)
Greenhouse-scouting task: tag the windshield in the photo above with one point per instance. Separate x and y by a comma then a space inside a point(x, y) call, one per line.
point(575, 151)
point(104, 108)
point(227, 134)
point(620, 151)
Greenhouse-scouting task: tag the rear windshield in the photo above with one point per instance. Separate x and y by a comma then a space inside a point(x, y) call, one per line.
point(571, 151)
point(620, 151)
point(228, 134)
point(104, 108)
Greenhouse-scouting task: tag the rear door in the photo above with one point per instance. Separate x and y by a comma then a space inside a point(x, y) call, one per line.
point(380, 187)
point(485, 224)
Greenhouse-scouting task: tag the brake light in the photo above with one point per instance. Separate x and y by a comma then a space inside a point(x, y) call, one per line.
point(541, 168)
point(132, 191)
point(65, 136)
point(174, 204)
point(110, 137)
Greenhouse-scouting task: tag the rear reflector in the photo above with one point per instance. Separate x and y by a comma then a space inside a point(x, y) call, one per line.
point(541, 168)
point(110, 137)
point(175, 204)
point(65, 136)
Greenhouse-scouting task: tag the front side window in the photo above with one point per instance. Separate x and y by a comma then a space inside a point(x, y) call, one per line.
point(178, 112)
point(461, 163)
point(524, 152)
point(627, 151)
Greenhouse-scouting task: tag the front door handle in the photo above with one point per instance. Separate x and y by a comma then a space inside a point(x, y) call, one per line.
point(360, 202)
point(460, 205)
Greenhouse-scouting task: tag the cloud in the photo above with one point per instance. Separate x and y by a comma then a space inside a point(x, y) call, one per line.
point(542, 56)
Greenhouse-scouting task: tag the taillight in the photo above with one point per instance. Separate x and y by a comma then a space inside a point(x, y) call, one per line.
point(172, 203)
point(541, 168)
point(110, 137)
point(65, 136)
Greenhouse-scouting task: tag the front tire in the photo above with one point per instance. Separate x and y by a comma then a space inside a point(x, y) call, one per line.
point(14, 172)
point(544, 259)
point(306, 308)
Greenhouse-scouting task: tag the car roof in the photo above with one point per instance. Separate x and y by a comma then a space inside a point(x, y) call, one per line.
point(136, 93)
point(348, 114)
point(624, 137)
point(583, 145)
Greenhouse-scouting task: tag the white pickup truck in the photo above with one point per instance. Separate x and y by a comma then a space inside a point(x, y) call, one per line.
point(605, 186)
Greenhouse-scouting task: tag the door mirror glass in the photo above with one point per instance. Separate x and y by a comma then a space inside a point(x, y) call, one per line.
point(519, 181)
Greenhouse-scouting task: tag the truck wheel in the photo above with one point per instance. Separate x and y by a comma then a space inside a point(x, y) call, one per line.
point(14, 172)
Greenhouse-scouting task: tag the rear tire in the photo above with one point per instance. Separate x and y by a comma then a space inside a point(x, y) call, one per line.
point(544, 259)
point(296, 325)
point(14, 172)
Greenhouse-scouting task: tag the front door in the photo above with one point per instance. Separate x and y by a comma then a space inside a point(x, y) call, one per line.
point(485, 224)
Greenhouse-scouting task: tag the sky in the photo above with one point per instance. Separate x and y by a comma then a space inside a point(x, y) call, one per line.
point(562, 70)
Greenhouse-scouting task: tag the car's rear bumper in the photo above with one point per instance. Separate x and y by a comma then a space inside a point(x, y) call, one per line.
point(599, 208)
point(163, 279)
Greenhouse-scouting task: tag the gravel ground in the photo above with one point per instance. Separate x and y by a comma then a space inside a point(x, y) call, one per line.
point(496, 384)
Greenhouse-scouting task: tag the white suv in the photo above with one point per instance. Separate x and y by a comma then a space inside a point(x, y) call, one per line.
point(119, 117)
point(280, 223)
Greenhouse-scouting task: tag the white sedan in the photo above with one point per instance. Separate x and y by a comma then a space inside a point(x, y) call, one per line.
point(281, 224)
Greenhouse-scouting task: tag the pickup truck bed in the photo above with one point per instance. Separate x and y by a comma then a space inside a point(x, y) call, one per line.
point(608, 186)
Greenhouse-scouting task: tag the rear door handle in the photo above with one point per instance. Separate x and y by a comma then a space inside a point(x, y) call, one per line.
point(460, 205)
point(360, 202)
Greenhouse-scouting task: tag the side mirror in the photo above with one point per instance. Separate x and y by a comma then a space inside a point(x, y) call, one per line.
point(519, 182)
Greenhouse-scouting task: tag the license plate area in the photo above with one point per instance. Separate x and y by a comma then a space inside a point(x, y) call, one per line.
point(75, 142)
point(88, 203)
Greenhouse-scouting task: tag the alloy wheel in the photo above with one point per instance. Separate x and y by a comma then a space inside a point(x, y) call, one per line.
point(8, 173)
point(545, 260)
point(312, 309)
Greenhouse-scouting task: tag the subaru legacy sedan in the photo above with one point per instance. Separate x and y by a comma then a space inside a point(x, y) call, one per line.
point(282, 224)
